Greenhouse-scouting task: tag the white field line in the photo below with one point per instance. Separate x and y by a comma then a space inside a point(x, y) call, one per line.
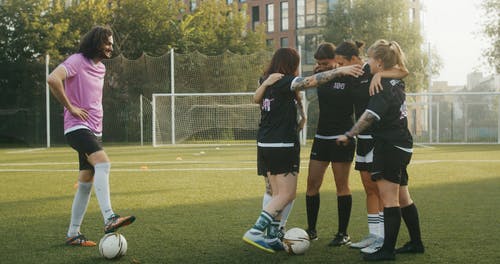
point(180, 162)
point(131, 170)
point(24, 150)
point(145, 169)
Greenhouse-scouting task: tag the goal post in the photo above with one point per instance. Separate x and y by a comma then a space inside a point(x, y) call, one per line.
point(204, 118)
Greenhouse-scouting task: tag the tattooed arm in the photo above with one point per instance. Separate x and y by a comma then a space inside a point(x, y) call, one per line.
point(365, 121)
point(300, 109)
point(302, 83)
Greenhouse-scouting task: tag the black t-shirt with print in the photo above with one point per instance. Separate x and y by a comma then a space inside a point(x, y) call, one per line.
point(390, 106)
point(278, 123)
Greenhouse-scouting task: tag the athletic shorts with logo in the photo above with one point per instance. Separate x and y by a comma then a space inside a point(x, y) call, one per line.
point(390, 163)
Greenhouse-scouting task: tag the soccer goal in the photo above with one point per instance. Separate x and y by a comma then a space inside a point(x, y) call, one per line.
point(204, 118)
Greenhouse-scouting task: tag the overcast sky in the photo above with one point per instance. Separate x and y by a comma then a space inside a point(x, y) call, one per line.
point(452, 27)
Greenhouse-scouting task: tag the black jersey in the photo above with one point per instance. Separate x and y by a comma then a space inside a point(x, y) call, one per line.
point(335, 107)
point(278, 122)
point(390, 107)
point(359, 89)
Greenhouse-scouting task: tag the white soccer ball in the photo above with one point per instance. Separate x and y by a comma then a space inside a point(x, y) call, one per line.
point(113, 246)
point(296, 241)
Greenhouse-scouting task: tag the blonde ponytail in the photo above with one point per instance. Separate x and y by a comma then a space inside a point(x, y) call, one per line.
point(390, 53)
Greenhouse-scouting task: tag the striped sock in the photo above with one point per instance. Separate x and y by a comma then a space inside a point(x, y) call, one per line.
point(263, 221)
point(373, 222)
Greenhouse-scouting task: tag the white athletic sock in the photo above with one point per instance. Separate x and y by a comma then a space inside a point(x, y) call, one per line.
point(266, 199)
point(373, 220)
point(101, 187)
point(381, 224)
point(80, 202)
point(286, 213)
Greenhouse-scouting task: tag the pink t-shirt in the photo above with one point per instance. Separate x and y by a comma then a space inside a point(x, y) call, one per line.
point(83, 85)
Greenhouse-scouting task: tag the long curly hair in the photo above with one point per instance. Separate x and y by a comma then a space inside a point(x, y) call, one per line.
point(92, 41)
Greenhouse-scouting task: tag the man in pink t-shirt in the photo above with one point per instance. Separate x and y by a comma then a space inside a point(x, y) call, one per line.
point(77, 84)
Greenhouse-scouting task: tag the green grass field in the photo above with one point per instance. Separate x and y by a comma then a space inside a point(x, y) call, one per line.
point(193, 205)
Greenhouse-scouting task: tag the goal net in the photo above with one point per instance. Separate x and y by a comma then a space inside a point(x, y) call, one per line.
point(204, 118)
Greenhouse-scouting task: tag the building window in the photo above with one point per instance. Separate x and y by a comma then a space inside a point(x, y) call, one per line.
point(270, 17)
point(284, 16)
point(310, 13)
point(229, 2)
point(255, 16)
point(270, 43)
point(313, 13)
point(322, 11)
point(308, 44)
point(192, 5)
point(331, 5)
point(284, 42)
point(301, 13)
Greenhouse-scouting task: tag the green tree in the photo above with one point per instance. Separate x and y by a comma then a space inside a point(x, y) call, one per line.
point(215, 27)
point(375, 19)
point(491, 29)
point(28, 30)
point(145, 26)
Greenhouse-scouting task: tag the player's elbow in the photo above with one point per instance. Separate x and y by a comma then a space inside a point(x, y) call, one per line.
point(52, 81)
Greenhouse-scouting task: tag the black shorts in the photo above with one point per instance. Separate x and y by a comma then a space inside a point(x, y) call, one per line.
point(364, 153)
point(328, 150)
point(278, 160)
point(85, 143)
point(389, 163)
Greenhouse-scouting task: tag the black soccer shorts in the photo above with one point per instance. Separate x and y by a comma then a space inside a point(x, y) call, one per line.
point(329, 150)
point(278, 160)
point(85, 143)
point(390, 163)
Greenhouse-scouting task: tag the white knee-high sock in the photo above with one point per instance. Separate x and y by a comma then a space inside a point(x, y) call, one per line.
point(80, 203)
point(373, 223)
point(286, 213)
point(266, 199)
point(101, 187)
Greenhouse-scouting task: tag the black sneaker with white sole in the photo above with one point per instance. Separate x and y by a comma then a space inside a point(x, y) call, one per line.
point(340, 240)
point(313, 235)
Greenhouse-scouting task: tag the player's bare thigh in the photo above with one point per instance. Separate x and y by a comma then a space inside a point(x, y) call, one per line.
point(315, 176)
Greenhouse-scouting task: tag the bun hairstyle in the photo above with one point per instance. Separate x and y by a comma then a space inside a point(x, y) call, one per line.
point(325, 51)
point(349, 49)
point(389, 52)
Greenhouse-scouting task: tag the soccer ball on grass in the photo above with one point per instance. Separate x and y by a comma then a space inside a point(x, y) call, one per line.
point(296, 241)
point(113, 246)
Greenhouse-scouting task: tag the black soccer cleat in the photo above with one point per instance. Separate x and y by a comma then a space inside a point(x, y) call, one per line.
point(313, 235)
point(411, 247)
point(380, 255)
point(340, 240)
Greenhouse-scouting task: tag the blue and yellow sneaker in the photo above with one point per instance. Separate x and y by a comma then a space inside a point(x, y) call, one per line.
point(275, 243)
point(256, 238)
